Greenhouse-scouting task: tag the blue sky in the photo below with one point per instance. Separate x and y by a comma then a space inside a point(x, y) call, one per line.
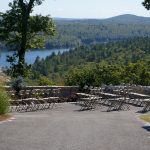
point(87, 8)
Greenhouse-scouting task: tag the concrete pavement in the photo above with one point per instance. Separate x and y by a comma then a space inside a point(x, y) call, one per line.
point(65, 128)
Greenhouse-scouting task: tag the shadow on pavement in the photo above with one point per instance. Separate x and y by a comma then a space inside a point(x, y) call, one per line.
point(141, 112)
point(146, 128)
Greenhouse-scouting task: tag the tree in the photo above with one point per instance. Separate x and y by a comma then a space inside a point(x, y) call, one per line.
point(146, 4)
point(22, 31)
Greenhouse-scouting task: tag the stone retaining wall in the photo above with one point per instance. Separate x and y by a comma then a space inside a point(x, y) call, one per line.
point(135, 88)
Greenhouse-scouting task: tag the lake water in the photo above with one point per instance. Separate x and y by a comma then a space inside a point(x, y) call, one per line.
point(30, 55)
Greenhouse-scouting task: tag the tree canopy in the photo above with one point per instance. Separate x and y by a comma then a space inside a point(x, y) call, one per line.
point(110, 57)
point(146, 4)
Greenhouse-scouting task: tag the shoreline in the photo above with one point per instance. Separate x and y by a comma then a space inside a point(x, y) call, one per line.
point(31, 55)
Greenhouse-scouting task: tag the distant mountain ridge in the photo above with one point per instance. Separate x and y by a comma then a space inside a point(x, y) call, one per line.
point(128, 18)
point(122, 19)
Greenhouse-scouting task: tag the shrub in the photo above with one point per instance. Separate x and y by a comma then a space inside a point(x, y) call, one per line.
point(4, 102)
point(18, 84)
point(44, 81)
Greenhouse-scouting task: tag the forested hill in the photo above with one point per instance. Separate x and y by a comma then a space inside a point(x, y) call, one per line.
point(122, 19)
point(121, 53)
point(128, 19)
point(75, 32)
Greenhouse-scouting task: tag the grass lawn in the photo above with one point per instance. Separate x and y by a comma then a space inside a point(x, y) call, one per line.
point(4, 117)
point(146, 118)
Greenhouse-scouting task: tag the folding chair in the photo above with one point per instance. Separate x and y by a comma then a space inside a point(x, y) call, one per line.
point(89, 103)
point(147, 105)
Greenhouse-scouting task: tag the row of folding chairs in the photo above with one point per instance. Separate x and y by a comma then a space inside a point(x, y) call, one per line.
point(111, 103)
point(124, 91)
point(88, 103)
point(146, 106)
point(32, 104)
point(121, 103)
point(114, 104)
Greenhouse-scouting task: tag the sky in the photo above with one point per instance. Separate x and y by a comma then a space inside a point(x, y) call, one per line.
point(86, 8)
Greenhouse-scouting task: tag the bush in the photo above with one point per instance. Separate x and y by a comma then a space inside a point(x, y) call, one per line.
point(44, 81)
point(18, 84)
point(4, 102)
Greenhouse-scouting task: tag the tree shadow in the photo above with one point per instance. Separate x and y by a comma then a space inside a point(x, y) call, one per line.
point(141, 112)
point(146, 128)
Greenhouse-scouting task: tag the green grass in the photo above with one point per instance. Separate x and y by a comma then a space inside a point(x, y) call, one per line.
point(146, 118)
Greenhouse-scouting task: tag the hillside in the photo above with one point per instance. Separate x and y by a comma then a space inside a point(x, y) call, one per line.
point(56, 67)
point(128, 19)
point(122, 19)
point(76, 32)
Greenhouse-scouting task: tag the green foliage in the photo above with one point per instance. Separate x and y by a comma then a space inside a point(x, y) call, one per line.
point(111, 63)
point(18, 84)
point(81, 77)
point(43, 81)
point(75, 33)
point(98, 74)
point(15, 69)
point(4, 102)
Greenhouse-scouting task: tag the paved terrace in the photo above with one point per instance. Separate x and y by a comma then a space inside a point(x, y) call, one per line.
point(65, 128)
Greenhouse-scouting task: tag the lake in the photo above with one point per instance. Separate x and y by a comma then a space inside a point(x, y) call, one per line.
point(30, 55)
